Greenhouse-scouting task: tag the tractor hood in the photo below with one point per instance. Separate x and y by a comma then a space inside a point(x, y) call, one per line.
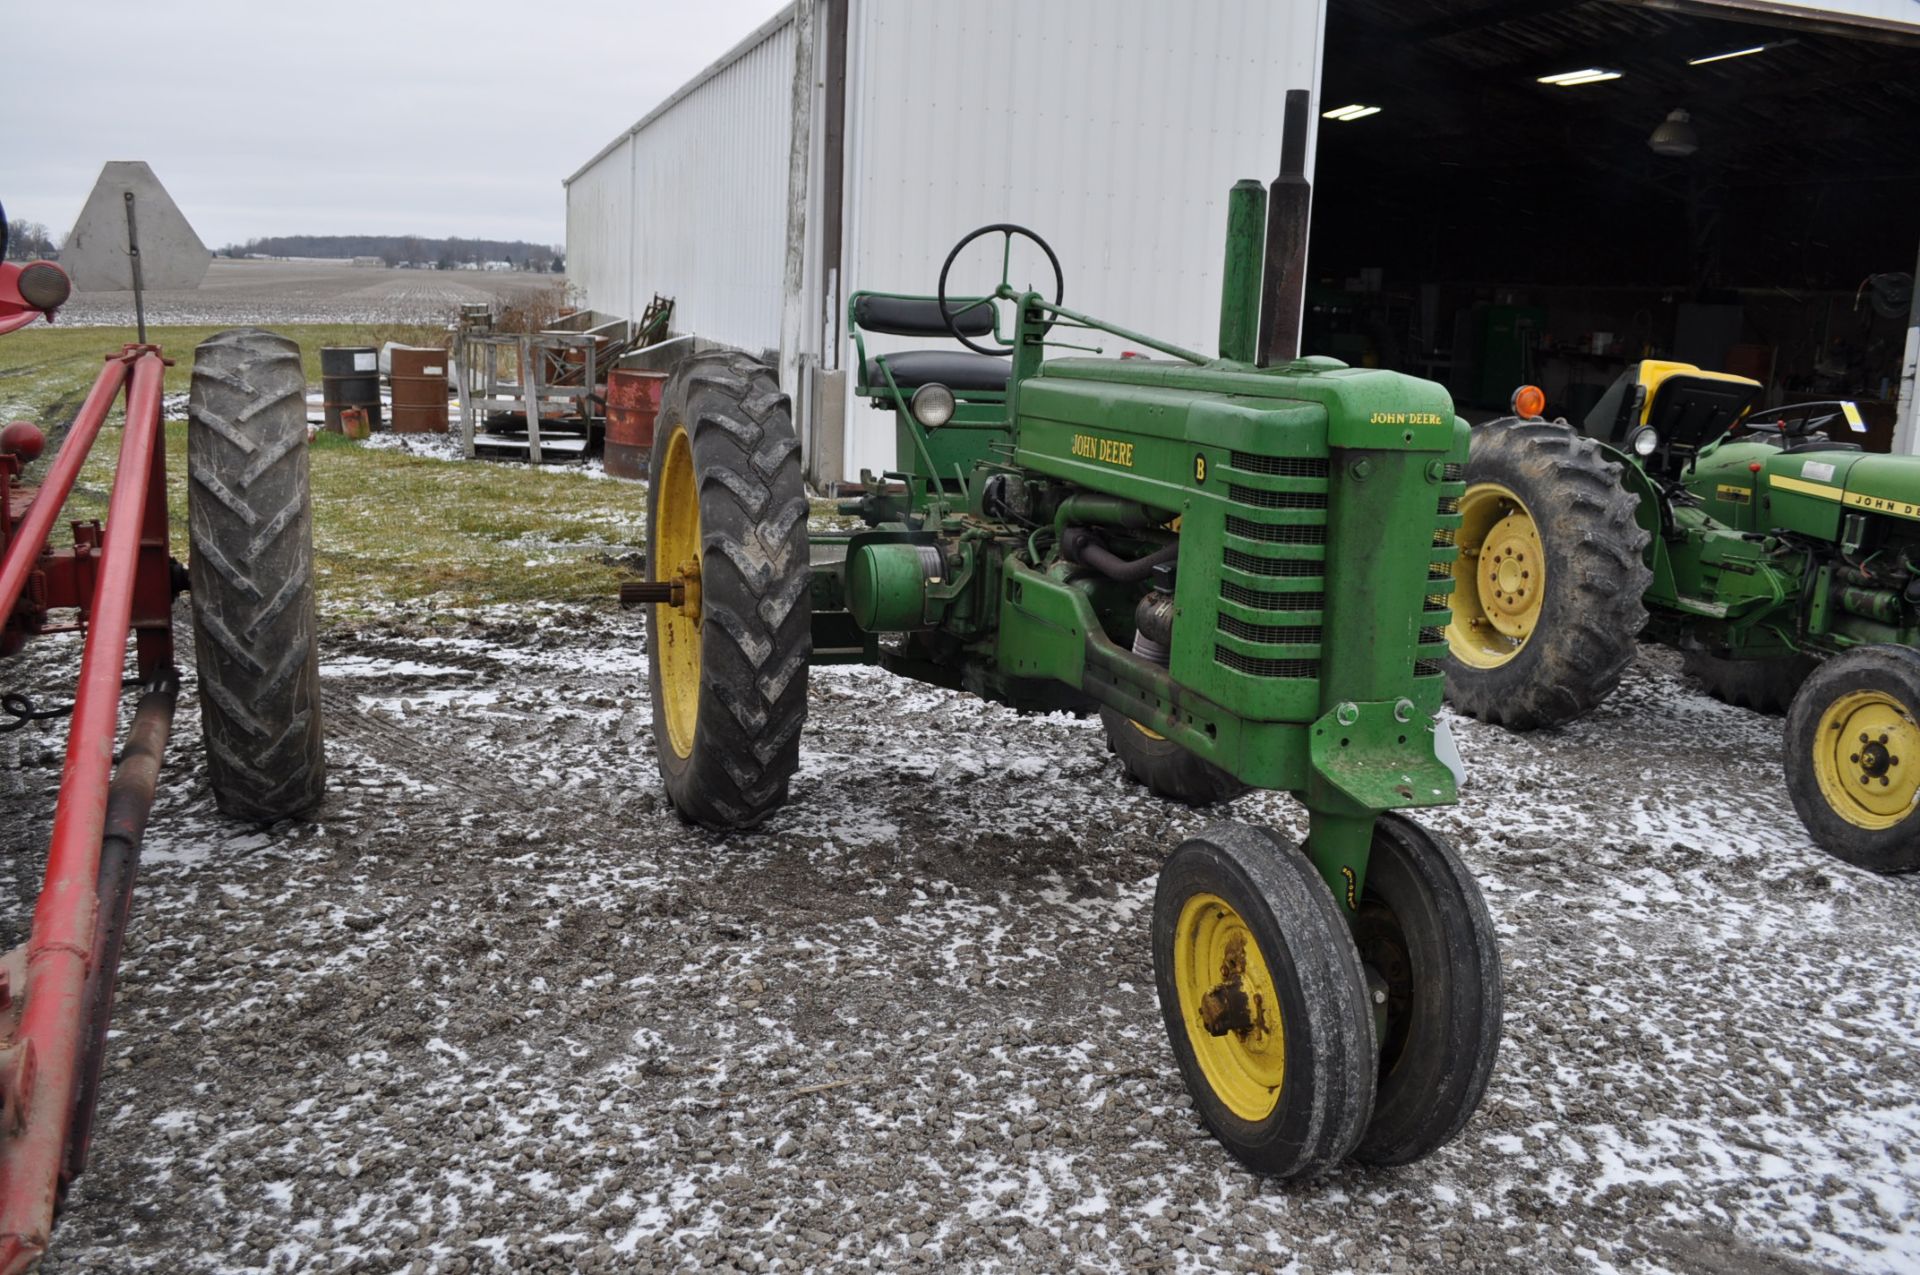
point(1809, 492)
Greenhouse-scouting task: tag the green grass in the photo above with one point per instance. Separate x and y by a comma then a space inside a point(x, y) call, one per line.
point(388, 528)
point(45, 367)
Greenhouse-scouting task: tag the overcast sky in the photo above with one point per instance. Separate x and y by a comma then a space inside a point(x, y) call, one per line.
point(411, 116)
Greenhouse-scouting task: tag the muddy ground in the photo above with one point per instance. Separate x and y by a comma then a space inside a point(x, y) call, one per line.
point(497, 1009)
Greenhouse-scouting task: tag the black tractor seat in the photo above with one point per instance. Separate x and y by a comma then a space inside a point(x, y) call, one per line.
point(958, 370)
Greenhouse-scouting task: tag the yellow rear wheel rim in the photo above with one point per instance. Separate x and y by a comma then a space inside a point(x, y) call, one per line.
point(1866, 757)
point(1150, 734)
point(1222, 980)
point(676, 552)
point(1499, 578)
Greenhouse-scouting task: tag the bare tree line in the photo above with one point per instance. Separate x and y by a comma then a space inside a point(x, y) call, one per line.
point(394, 250)
point(29, 241)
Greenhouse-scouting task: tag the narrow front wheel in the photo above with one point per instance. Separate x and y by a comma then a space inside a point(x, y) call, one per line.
point(1427, 943)
point(1264, 1000)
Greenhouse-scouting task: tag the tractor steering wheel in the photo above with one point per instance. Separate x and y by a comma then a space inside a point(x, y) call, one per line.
point(1007, 228)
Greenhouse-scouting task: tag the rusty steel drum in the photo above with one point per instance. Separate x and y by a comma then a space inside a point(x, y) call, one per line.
point(633, 401)
point(419, 377)
point(350, 377)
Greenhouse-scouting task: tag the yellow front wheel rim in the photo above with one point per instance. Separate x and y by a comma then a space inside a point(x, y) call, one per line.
point(1228, 1003)
point(1866, 757)
point(676, 552)
point(1499, 577)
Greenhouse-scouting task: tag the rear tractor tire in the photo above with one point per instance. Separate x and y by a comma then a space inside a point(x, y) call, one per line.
point(1547, 587)
point(727, 517)
point(1765, 686)
point(1164, 767)
point(250, 526)
point(1853, 757)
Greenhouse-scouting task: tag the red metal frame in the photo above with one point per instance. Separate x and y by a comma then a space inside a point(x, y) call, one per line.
point(121, 582)
point(16, 311)
point(26, 548)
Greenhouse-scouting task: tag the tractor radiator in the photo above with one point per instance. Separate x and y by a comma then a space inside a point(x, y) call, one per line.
point(1274, 561)
point(1272, 593)
point(1430, 659)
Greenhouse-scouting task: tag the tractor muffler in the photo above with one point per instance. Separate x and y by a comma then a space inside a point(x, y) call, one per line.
point(1284, 276)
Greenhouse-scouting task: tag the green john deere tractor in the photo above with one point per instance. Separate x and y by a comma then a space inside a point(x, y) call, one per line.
point(1783, 564)
point(1242, 561)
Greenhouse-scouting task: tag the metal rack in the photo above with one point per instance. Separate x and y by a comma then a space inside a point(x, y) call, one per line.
point(485, 388)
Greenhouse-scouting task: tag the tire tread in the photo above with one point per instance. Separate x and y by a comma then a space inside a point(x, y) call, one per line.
point(251, 568)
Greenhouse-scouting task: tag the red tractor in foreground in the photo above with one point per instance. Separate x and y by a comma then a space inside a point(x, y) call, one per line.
point(251, 580)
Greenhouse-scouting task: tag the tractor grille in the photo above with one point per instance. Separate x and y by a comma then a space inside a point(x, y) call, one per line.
point(1290, 533)
point(1274, 634)
point(1281, 502)
point(1276, 499)
point(1261, 600)
point(1276, 533)
point(1279, 568)
point(1257, 667)
point(1281, 466)
point(1430, 655)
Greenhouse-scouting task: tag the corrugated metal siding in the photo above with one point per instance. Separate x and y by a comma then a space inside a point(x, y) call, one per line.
point(704, 189)
point(710, 194)
point(1114, 128)
point(600, 233)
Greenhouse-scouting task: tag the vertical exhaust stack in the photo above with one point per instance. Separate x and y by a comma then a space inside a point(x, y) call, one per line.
point(1284, 276)
point(1240, 280)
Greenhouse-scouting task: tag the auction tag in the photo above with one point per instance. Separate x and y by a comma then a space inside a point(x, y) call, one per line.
point(365, 362)
point(1852, 413)
point(1818, 469)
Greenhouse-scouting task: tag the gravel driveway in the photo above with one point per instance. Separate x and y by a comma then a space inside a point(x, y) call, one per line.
point(499, 1010)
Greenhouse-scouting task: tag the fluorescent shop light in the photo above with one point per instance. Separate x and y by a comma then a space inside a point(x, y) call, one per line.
point(1722, 57)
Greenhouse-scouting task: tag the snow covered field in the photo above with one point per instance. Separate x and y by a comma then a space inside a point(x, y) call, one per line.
point(497, 1009)
point(276, 292)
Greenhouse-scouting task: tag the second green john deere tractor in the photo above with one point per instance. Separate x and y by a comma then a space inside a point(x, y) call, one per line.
point(1783, 563)
point(1242, 561)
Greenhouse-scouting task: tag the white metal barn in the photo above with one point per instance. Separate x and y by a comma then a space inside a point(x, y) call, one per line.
point(848, 144)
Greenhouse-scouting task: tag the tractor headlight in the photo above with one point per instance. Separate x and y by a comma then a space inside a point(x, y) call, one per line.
point(932, 405)
point(1644, 441)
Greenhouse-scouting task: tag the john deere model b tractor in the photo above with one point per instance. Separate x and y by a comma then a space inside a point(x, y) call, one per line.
point(1242, 560)
point(1784, 564)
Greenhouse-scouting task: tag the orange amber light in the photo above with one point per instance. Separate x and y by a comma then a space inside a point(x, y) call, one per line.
point(1529, 401)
